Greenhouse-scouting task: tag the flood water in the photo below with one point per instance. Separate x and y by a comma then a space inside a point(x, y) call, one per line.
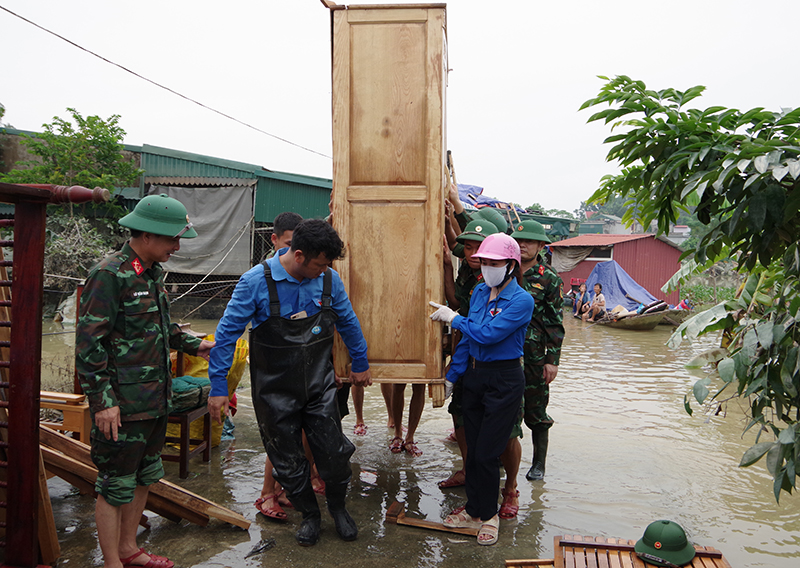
point(623, 453)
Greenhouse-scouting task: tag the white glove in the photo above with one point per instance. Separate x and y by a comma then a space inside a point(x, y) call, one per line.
point(448, 388)
point(442, 313)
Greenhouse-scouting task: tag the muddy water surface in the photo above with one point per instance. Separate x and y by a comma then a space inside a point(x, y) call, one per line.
point(622, 453)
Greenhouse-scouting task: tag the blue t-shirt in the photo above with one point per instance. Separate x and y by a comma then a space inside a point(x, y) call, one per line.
point(494, 330)
point(250, 303)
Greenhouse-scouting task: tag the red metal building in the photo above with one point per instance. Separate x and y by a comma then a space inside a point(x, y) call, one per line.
point(649, 260)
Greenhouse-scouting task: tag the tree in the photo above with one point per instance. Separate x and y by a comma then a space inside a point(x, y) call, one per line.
point(537, 209)
point(88, 153)
point(741, 171)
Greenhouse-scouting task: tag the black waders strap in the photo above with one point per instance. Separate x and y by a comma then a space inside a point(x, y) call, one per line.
point(274, 301)
point(326, 289)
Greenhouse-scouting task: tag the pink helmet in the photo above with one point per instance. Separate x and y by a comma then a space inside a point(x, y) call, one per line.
point(499, 246)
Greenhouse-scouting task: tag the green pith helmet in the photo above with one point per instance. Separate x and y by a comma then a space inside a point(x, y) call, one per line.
point(477, 230)
point(494, 216)
point(664, 543)
point(160, 215)
point(532, 231)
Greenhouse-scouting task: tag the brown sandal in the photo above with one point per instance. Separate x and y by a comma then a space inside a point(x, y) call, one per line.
point(412, 449)
point(274, 512)
point(507, 509)
point(152, 562)
point(396, 445)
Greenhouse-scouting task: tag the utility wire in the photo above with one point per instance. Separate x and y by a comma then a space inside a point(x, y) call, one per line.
point(165, 88)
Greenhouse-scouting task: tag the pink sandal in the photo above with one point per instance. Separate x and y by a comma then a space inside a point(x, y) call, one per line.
point(360, 429)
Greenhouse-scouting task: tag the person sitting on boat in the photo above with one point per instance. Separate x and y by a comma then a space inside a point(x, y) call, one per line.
point(598, 307)
point(581, 298)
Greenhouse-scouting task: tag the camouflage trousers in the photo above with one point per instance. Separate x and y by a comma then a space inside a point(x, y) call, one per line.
point(537, 391)
point(133, 460)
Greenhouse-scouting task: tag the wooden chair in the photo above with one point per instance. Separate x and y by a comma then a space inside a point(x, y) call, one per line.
point(185, 442)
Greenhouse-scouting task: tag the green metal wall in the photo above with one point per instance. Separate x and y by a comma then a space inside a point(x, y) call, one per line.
point(275, 196)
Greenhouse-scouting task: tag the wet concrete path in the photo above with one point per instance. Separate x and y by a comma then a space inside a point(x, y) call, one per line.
point(623, 453)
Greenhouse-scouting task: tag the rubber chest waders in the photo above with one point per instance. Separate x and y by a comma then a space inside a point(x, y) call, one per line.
point(293, 388)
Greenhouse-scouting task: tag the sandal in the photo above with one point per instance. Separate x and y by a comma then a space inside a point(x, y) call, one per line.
point(275, 512)
point(458, 479)
point(412, 449)
point(152, 562)
point(508, 510)
point(396, 445)
point(488, 531)
point(360, 429)
point(462, 519)
point(320, 488)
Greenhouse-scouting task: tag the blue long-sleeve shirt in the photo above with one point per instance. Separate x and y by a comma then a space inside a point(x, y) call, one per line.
point(493, 331)
point(250, 303)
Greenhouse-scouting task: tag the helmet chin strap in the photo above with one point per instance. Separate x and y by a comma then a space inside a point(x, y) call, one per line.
point(509, 272)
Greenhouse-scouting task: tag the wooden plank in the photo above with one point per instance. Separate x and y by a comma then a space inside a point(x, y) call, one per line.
point(61, 397)
point(187, 501)
point(602, 554)
point(394, 194)
point(382, 15)
point(558, 552)
point(629, 546)
point(396, 515)
point(172, 511)
point(49, 548)
point(532, 562)
point(85, 487)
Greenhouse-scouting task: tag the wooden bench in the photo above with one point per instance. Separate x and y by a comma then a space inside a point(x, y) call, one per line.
point(77, 417)
point(185, 442)
point(585, 551)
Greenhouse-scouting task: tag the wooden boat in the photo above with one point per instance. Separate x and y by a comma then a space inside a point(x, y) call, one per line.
point(676, 317)
point(642, 322)
point(585, 551)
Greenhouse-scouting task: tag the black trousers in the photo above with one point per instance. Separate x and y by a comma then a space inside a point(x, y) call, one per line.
point(491, 401)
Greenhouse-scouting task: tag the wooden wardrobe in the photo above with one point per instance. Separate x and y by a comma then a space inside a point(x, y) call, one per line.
point(389, 75)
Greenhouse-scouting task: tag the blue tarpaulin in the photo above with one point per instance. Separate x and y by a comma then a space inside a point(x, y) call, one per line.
point(618, 286)
point(473, 195)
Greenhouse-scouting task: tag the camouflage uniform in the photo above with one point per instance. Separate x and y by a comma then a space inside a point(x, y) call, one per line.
point(542, 340)
point(122, 346)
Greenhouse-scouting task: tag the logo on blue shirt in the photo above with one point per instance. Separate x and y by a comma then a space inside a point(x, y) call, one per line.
point(316, 330)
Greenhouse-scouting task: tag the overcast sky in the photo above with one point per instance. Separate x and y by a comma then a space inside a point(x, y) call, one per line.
point(520, 70)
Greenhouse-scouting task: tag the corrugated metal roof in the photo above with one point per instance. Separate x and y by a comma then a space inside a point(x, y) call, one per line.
point(202, 181)
point(599, 240)
point(608, 240)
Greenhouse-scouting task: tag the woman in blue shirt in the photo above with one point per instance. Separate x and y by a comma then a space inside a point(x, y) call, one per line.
point(487, 359)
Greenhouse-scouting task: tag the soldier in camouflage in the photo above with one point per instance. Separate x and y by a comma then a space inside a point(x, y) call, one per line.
point(542, 350)
point(123, 340)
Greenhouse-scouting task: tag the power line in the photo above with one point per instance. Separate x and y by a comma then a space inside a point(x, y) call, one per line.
point(164, 87)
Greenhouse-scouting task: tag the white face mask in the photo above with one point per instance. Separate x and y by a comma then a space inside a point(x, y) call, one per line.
point(493, 275)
